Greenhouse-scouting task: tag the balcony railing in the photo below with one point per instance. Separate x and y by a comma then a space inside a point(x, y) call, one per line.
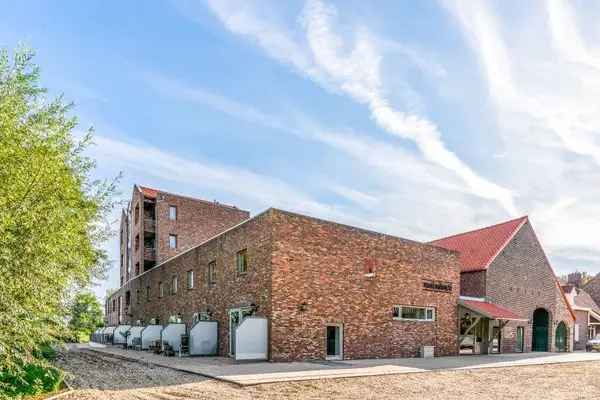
point(149, 253)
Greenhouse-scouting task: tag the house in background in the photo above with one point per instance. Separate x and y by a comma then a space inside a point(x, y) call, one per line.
point(511, 300)
point(587, 313)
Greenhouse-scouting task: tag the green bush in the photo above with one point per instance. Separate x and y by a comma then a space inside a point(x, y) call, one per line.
point(33, 379)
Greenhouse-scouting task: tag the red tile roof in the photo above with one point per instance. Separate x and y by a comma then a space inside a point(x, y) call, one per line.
point(148, 192)
point(491, 310)
point(478, 248)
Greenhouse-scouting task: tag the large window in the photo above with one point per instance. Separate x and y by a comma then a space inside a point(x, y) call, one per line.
point(172, 241)
point(242, 261)
point(412, 313)
point(172, 213)
point(190, 279)
point(212, 273)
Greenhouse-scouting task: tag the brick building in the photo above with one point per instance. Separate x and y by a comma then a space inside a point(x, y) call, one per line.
point(587, 313)
point(158, 225)
point(328, 290)
point(511, 300)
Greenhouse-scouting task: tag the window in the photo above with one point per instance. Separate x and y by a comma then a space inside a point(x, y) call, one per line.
point(190, 279)
point(172, 213)
point(174, 284)
point(161, 289)
point(212, 273)
point(577, 332)
point(172, 241)
point(242, 261)
point(147, 293)
point(137, 296)
point(411, 313)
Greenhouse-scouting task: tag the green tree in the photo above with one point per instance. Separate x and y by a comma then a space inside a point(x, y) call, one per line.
point(52, 213)
point(86, 315)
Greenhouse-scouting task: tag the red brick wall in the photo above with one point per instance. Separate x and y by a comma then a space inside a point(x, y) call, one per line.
point(231, 290)
point(582, 321)
point(322, 265)
point(197, 221)
point(521, 279)
point(472, 284)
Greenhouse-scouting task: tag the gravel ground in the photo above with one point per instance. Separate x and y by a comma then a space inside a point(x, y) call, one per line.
point(98, 377)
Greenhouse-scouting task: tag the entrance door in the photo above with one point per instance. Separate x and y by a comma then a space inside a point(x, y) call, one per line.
point(561, 337)
point(236, 316)
point(496, 340)
point(335, 339)
point(520, 339)
point(540, 330)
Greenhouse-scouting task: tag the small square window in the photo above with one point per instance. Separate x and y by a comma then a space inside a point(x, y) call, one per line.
point(190, 279)
point(174, 284)
point(242, 261)
point(172, 241)
point(212, 273)
point(173, 213)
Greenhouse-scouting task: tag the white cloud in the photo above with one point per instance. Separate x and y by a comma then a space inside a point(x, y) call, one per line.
point(355, 72)
point(547, 100)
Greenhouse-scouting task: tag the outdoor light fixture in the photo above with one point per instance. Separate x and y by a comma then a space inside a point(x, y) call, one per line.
point(302, 307)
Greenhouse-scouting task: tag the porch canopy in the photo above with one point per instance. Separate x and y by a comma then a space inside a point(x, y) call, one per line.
point(481, 323)
point(490, 310)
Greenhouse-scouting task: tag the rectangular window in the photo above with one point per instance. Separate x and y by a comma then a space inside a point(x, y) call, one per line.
point(147, 293)
point(242, 261)
point(137, 296)
point(412, 313)
point(172, 241)
point(190, 279)
point(212, 273)
point(161, 289)
point(174, 284)
point(173, 213)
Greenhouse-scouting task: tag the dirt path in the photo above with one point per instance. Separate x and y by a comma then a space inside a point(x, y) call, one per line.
point(98, 377)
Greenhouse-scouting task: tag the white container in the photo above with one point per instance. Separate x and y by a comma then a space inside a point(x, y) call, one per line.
point(427, 351)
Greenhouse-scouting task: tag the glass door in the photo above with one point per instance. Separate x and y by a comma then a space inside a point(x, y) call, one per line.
point(236, 316)
point(520, 339)
point(334, 342)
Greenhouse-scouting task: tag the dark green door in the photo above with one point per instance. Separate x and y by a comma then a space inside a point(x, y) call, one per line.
point(540, 330)
point(561, 337)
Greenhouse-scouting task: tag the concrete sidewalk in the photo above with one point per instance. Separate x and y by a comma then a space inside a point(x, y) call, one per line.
point(252, 373)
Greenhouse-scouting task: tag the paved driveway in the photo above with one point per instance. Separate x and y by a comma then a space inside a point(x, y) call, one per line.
point(251, 373)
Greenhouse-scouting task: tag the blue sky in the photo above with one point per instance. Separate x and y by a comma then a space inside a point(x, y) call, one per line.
point(419, 119)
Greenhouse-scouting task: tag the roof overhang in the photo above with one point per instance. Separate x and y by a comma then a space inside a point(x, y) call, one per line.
point(490, 310)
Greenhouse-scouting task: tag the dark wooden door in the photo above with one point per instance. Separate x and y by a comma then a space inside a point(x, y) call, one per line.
point(540, 330)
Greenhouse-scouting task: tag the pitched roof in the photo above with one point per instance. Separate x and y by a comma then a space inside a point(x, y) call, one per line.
point(149, 192)
point(584, 300)
point(478, 248)
point(491, 310)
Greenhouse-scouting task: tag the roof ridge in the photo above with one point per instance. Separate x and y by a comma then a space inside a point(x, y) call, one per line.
point(480, 229)
point(214, 202)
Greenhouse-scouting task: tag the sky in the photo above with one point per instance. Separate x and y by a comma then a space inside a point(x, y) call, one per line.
point(418, 119)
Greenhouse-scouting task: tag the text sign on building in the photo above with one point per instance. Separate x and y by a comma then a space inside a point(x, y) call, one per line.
point(438, 286)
